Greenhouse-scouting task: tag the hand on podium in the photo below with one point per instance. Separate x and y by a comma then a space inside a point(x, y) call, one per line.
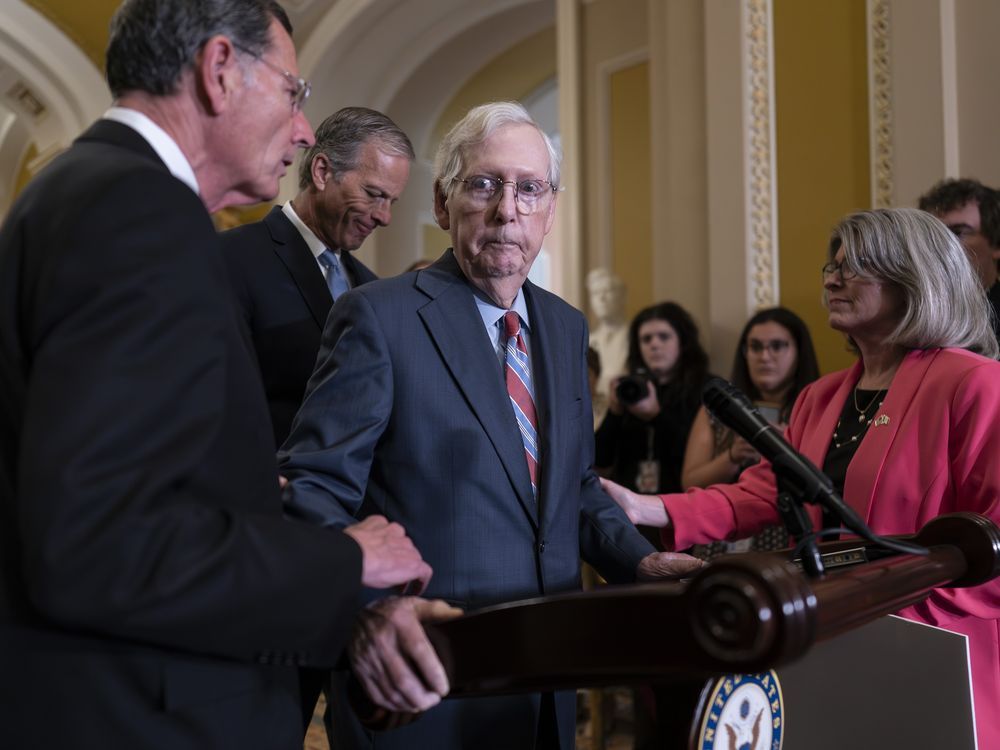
point(667, 565)
point(392, 658)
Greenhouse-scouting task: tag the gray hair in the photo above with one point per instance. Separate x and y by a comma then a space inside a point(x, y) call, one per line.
point(152, 42)
point(340, 138)
point(478, 125)
point(944, 301)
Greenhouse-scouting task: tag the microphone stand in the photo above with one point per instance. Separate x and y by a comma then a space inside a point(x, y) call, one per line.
point(799, 481)
point(792, 497)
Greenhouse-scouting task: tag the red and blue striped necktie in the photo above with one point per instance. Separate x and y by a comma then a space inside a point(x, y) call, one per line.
point(518, 377)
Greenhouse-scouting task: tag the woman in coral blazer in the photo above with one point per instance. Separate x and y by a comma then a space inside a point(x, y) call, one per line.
point(911, 431)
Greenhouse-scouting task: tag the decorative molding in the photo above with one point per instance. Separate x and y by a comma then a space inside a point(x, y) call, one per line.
point(604, 257)
point(760, 169)
point(880, 103)
point(568, 261)
point(48, 87)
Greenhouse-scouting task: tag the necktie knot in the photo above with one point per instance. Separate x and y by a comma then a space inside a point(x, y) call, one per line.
point(511, 323)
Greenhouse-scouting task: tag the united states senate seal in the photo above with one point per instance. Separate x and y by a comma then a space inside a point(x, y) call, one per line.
point(743, 712)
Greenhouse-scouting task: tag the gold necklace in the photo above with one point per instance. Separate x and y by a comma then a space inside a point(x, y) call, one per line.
point(863, 413)
point(863, 420)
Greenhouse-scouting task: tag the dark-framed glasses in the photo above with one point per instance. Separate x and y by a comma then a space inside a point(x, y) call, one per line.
point(529, 194)
point(843, 268)
point(300, 87)
point(775, 346)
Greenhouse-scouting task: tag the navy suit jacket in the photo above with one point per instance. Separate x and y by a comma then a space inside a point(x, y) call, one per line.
point(407, 415)
point(151, 592)
point(284, 300)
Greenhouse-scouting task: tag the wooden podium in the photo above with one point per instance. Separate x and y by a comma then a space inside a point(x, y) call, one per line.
point(746, 633)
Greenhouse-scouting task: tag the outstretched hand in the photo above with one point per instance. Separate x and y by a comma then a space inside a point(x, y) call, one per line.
point(389, 557)
point(645, 509)
point(392, 657)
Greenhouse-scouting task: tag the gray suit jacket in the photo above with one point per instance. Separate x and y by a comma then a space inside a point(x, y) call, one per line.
point(407, 415)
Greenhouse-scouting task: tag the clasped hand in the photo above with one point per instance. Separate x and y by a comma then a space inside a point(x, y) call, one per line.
point(389, 652)
point(392, 657)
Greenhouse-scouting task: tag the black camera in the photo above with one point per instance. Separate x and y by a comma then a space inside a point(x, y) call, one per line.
point(632, 389)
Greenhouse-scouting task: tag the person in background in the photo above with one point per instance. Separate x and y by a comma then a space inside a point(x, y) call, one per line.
point(151, 592)
point(972, 211)
point(288, 269)
point(911, 431)
point(774, 361)
point(640, 443)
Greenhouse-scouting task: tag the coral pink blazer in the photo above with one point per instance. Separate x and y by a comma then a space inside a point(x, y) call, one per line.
point(933, 448)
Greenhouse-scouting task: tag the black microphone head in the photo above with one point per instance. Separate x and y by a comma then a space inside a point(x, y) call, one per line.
point(718, 392)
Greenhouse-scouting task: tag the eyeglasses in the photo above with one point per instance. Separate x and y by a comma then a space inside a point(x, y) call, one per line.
point(775, 346)
point(301, 88)
point(846, 271)
point(480, 189)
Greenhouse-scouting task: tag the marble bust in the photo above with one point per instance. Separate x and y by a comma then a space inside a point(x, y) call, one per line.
point(609, 333)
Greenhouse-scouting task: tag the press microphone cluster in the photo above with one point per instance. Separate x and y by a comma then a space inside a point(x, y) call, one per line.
point(803, 480)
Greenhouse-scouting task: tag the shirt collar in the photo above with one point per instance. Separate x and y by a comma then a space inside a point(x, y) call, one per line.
point(161, 142)
point(491, 313)
point(316, 246)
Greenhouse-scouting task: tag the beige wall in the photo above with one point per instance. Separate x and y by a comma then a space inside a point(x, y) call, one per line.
point(679, 165)
point(86, 23)
point(616, 202)
point(631, 240)
point(822, 147)
point(513, 75)
point(662, 177)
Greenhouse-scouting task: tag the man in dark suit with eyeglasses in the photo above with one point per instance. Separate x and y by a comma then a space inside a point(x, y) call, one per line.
point(151, 592)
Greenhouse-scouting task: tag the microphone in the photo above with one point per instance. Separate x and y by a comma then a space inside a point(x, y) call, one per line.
point(805, 482)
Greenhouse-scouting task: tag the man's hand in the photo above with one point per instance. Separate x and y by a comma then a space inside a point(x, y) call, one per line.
point(392, 657)
point(388, 556)
point(660, 565)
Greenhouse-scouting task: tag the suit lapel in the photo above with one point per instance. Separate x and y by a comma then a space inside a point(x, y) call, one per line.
point(454, 324)
point(866, 468)
point(293, 251)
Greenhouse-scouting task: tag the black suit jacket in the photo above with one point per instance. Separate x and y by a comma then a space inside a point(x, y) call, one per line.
point(284, 300)
point(151, 593)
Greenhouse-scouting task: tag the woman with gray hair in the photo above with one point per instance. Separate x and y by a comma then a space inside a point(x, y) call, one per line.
point(911, 431)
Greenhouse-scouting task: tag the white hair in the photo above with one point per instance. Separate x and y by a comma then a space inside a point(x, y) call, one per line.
point(944, 300)
point(478, 125)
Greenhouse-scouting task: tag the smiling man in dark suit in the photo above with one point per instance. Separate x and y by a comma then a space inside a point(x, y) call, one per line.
point(151, 592)
point(456, 402)
point(287, 269)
